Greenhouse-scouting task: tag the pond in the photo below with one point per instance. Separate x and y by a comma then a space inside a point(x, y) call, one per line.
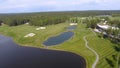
point(14, 56)
point(71, 27)
point(58, 39)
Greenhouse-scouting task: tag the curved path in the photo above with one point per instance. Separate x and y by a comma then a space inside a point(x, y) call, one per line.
point(97, 56)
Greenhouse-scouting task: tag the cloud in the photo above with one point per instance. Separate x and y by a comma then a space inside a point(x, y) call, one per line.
point(56, 5)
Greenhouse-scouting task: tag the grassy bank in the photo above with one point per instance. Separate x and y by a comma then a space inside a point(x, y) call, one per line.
point(76, 44)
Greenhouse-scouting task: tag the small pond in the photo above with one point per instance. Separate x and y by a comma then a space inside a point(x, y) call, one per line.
point(58, 39)
point(71, 28)
point(14, 56)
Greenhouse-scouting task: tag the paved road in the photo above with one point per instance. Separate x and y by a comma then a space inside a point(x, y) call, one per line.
point(97, 56)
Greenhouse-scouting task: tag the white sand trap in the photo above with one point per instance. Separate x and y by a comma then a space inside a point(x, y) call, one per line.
point(73, 24)
point(41, 28)
point(83, 18)
point(27, 23)
point(29, 35)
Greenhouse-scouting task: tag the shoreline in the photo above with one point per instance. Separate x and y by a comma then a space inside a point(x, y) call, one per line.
point(83, 60)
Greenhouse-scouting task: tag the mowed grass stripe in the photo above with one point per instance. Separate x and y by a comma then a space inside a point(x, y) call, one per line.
point(103, 65)
point(104, 48)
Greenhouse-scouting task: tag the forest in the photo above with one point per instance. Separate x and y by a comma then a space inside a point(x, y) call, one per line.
point(48, 18)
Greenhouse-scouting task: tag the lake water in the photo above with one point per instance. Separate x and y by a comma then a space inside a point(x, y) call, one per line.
point(58, 39)
point(14, 56)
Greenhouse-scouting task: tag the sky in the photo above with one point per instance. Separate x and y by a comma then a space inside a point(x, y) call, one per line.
point(21, 6)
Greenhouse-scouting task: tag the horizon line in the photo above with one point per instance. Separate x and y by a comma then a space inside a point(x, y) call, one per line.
point(55, 11)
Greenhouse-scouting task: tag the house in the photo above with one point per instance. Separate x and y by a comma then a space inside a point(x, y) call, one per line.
point(96, 30)
point(103, 26)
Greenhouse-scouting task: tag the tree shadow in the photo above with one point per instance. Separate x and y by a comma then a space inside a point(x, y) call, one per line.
point(117, 48)
point(114, 57)
point(110, 62)
point(115, 41)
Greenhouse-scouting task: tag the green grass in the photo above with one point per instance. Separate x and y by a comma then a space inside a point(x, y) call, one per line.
point(115, 18)
point(18, 33)
point(104, 48)
point(76, 44)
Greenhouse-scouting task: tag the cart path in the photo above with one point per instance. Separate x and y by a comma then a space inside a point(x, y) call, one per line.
point(97, 56)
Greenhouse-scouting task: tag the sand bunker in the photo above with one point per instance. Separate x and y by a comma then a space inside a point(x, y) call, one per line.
point(41, 28)
point(73, 24)
point(29, 35)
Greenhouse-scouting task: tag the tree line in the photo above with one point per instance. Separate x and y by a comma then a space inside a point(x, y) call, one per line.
point(33, 20)
point(47, 18)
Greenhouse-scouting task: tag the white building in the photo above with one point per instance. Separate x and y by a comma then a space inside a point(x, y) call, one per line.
point(103, 26)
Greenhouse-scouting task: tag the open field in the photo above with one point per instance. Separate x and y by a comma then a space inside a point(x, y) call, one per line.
point(76, 44)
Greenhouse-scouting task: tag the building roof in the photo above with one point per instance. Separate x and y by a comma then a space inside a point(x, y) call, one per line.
point(103, 26)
